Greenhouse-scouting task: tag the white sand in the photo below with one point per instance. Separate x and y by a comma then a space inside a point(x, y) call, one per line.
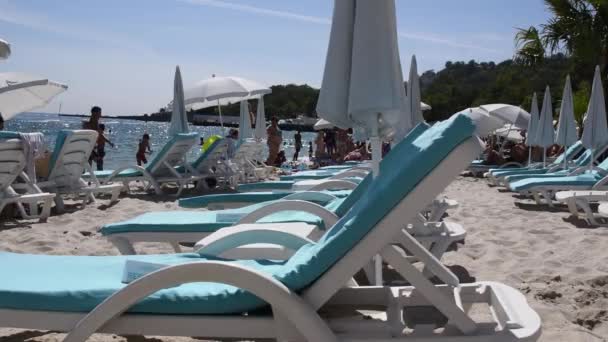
point(563, 269)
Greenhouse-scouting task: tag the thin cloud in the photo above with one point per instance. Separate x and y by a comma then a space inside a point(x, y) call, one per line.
point(259, 10)
point(424, 37)
point(35, 21)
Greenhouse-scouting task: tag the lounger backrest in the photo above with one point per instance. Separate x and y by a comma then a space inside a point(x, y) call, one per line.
point(12, 160)
point(570, 153)
point(389, 159)
point(399, 177)
point(213, 153)
point(583, 159)
point(71, 156)
point(173, 153)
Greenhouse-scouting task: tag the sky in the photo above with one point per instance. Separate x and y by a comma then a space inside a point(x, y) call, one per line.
point(121, 54)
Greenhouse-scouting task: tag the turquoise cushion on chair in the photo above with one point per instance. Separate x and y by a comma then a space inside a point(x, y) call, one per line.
point(202, 221)
point(583, 180)
point(246, 197)
point(78, 284)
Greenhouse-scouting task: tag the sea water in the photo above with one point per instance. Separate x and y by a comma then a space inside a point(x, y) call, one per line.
point(125, 134)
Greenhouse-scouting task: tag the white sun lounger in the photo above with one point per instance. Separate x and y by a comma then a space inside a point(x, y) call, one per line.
point(67, 165)
point(578, 202)
point(169, 166)
point(221, 299)
point(12, 165)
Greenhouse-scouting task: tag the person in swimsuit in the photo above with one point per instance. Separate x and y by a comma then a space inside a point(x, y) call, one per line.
point(144, 146)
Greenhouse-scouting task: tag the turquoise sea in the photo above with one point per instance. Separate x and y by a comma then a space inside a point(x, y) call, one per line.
point(125, 134)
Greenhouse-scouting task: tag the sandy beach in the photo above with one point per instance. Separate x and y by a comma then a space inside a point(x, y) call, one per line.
point(560, 265)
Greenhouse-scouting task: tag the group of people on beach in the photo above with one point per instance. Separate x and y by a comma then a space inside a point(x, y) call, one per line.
point(99, 151)
point(497, 153)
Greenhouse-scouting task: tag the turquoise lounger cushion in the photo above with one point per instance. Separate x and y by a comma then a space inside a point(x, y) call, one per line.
point(584, 180)
point(78, 284)
point(245, 197)
point(570, 153)
point(202, 221)
point(306, 175)
point(9, 135)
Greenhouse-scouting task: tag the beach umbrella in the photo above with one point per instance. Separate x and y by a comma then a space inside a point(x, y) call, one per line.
point(484, 122)
point(566, 127)
point(213, 90)
point(595, 130)
point(532, 126)
point(362, 84)
point(545, 132)
point(260, 120)
point(22, 92)
point(508, 113)
point(5, 49)
point(323, 124)
point(179, 118)
point(245, 131)
point(413, 94)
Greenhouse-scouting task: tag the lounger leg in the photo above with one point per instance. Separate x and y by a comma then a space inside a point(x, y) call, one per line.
point(537, 198)
point(548, 198)
point(46, 210)
point(584, 205)
point(115, 195)
point(572, 207)
point(176, 247)
point(59, 204)
point(124, 246)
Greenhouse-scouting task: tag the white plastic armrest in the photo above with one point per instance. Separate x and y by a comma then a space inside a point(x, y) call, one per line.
point(584, 169)
point(349, 173)
point(229, 238)
point(601, 183)
point(334, 184)
point(327, 216)
point(314, 196)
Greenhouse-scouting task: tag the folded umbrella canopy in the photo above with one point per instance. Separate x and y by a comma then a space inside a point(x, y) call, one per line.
point(179, 118)
point(5, 49)
point(260, 120)
point(595, 130)
point(245, 131)
point(545, 132)
point(532, 126)
point(413, 94)
point(22, 92)
point(363, 84)
point(566, 128)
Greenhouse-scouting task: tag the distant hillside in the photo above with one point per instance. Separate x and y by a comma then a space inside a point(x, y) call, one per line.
point(458, 86)
point(461, 85)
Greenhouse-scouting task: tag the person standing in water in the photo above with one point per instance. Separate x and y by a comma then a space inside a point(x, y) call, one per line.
point(101, 146)
point(298, 141)
point(144, 146)
point(93, 124)
point(274, 141)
